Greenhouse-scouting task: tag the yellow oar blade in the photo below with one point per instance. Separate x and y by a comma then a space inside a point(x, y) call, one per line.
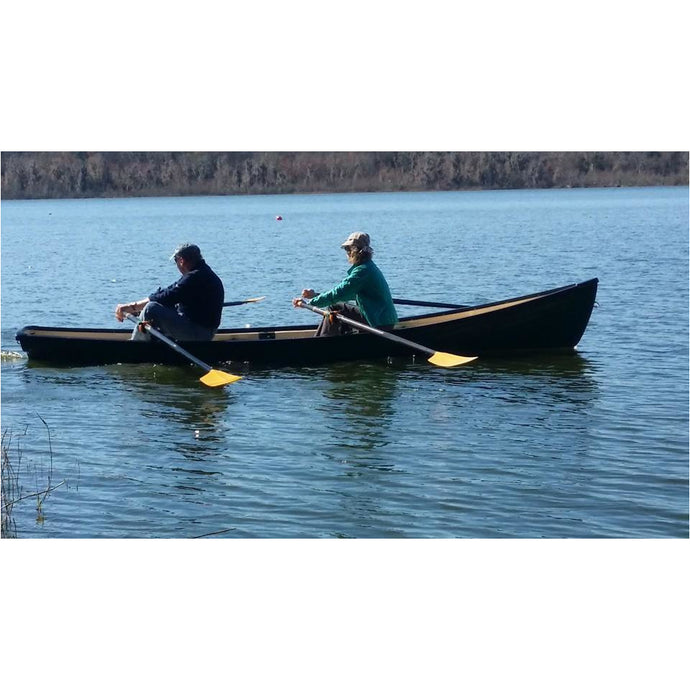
point(255, 299)
point(445, 359)
point(216, 378)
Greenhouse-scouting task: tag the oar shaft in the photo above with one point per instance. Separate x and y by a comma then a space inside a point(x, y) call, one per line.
point(170, 342)
point(243, 301)
point(365, 327)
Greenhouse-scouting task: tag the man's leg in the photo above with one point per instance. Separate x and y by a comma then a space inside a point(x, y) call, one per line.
point(170, 323)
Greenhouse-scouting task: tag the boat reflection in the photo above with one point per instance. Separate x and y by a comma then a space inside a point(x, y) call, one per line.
point(369, 390)
point(447, 428)
point(173, 395)
point(568, 365)
point(554, 378)
point(360, 404)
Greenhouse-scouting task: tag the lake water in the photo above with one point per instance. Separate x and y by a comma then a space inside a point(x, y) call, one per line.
point(594, 445)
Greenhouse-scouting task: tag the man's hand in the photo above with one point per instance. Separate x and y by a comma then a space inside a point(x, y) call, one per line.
point(131, 308)
point(120, 311)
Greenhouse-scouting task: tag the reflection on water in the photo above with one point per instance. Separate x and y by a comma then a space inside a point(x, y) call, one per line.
point(429, 430)
point(174, 396)
point(546, 402)
point(549, 379)
point(369, 388)
point(360, 399)
point(560, 367)
point(176, 390)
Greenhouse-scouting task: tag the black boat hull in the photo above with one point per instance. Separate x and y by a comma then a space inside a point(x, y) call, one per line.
point(553, 320)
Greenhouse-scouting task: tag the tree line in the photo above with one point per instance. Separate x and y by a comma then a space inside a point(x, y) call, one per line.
point(41, 175)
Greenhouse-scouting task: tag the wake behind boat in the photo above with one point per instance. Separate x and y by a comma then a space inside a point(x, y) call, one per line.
point(553, 320)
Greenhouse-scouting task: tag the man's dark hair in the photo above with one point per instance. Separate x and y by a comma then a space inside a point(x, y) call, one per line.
point(189, 252)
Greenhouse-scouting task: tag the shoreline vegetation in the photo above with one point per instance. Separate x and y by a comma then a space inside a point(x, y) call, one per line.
point(14, 472)
point(76, 175)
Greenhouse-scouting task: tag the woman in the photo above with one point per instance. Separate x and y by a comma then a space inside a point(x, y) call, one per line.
point(364, 284)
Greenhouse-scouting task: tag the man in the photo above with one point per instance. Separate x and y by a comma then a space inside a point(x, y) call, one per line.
point(364, 284)
point(189, 309)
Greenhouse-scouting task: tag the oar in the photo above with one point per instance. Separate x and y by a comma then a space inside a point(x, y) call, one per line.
point(442, 305)
point(212, 378)
point(243, 301)
point(440, 359)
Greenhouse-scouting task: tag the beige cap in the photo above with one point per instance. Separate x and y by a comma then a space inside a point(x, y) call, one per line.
point(356, 239)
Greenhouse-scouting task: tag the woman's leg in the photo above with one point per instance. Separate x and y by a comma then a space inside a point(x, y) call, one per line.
point(330, 325)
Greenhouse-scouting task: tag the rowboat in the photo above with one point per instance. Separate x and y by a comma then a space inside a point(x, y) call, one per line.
point(549, 321)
